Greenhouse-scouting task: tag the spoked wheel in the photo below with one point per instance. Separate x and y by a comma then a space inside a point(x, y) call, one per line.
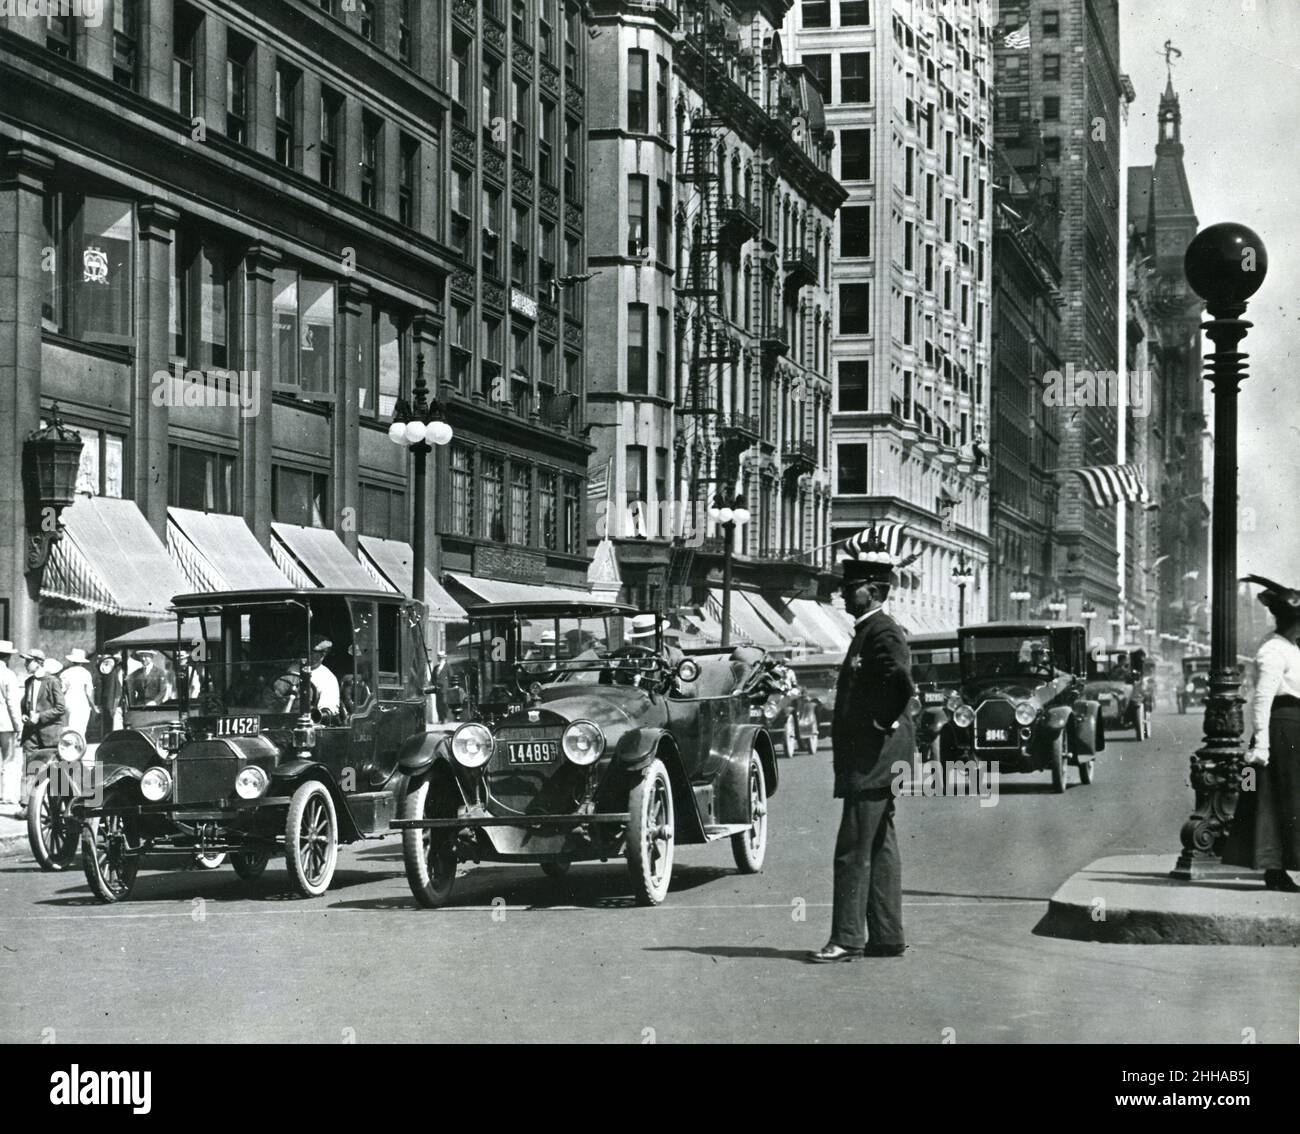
point(311, 839)
point(811, 735)
point(1060, 765)
point(52, 832)
point(1140, 728)
point(791, 735)
point(429, 852)
point(555, 870)
point(651, 835)
point(1087, 770)
point(250, 864)
point(110, 856)
point(749, 847)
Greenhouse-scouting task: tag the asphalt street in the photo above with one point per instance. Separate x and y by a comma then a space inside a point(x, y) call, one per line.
point(200, 956)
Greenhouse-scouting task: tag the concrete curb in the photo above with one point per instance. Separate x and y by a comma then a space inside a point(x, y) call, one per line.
point(1132, 900)
point(12, 845)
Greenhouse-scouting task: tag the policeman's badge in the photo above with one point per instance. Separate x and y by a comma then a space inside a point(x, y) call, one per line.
point(856, 663)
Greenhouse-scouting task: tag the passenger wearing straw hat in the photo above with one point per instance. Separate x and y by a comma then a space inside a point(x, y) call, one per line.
point(642, 633)
point(11, 728)
point(871, 732)
point(78, 691)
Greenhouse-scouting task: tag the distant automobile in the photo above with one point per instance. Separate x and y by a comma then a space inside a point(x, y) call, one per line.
point(936, 673)
point(1118, 682)
point(789, 711)
point(817, 675)
point(1021, 701)
point(1195, 687)
point(578, 745)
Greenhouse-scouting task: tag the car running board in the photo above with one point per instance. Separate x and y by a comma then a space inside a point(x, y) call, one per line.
point(725, 830)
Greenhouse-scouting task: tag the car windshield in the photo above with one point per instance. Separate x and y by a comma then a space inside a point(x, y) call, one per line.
point(505, 653)
point(150, 678)
point(936, 667)
point(1009, 655)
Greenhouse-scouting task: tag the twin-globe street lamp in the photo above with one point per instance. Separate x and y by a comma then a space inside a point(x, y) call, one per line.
point(730, 516)
point(963, 574)
point(418, 426)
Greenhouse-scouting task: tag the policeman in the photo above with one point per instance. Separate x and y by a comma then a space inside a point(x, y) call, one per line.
point(872, 730)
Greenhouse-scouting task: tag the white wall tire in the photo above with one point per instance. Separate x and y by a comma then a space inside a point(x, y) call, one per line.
point(311, 839)
point(429, 853)
point(749, 848)
point(651, 835)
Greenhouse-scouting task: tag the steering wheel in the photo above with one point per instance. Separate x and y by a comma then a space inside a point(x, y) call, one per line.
point(628, 665)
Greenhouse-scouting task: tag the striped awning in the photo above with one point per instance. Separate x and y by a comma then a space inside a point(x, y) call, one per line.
point(219, 553)
point(504, 590)
point(316, 557)
point(391, 563)
point(818, 626)
point(746, 625)
point(782, 627)
point(110, 560)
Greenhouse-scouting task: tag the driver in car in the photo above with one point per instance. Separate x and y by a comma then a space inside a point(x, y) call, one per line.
point(324, 684)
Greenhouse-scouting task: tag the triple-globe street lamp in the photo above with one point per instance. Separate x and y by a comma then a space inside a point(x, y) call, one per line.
point(419, 426)
point(963, 574)
point(731, 513)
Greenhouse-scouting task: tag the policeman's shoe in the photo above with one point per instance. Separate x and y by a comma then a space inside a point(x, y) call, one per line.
point(883, 950)
point(1280, 880)
point(831, 952)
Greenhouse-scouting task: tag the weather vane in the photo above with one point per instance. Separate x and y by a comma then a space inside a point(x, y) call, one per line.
point(1170, 53)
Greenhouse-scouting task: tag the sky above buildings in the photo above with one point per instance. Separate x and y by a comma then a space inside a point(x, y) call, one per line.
point(1238, 82)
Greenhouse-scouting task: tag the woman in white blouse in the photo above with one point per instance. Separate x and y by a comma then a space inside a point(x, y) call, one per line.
point(1265, 833)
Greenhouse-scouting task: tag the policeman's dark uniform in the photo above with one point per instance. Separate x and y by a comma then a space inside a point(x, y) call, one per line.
point(872, 730)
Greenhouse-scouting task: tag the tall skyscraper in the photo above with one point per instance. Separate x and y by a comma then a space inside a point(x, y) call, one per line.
point(907, 91)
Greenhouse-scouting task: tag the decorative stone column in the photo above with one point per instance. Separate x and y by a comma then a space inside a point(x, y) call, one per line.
point(255, 436)
point(346, 420)
point(150, 468)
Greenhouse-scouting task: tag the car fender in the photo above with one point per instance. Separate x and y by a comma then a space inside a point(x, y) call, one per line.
point(1089, 735)
point(636, 750)
point(929, 724)
point(290, 775)
point(419, 752)
point(733, 780)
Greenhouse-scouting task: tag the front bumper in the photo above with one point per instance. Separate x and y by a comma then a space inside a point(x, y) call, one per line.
point(228, 809)
point(603, 818)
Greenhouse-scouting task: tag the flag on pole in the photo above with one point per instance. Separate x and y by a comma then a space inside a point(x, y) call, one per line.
point(1017, 40)
point(598, 485)
point(1109, 484)
point(889, 534)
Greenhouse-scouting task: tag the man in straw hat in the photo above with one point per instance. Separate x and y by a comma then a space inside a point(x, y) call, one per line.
point(871, 731)
point(11, 728)
point(44, 714)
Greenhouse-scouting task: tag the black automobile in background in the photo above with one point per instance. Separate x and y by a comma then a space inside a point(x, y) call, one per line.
point(936, 673)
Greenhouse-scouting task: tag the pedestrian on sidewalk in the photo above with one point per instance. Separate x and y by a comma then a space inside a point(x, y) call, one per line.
point(872, 730)
point(1265, 833)
point(11, 729)
point(44, 716)
point(78, 692)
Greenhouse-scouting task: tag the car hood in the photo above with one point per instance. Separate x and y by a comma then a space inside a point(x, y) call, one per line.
point(1115, 688)
point(612, 707)
point(1013, 688)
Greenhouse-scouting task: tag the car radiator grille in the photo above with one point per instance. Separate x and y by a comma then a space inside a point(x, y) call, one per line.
point(204, 779)
point(995, 725)
point(536, 788)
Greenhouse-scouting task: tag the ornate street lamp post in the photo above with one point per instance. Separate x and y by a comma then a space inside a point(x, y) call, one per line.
point(1225, 266)
point(416, 426)
point(730, 513)
point(1020, 597)
point(1088, 613)
point(1058, 607)
point(962, 574)
point(1116, 624)
point(53, 458)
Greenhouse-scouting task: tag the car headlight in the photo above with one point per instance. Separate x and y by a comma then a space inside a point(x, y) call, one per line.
point(954, 699)
point(72, 746)
point(156, 784)
point(583, 742)
point(963, 716)
point(251, 782)
point(771, 707)
point(471, 745)
point(1026, 714)
point(1191, 687)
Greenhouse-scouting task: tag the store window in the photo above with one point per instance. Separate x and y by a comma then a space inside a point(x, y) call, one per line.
point(88, 294)
point(299, 496)
point(201, 480)
point(198, 308)
point(303, 335)
point(381, 361)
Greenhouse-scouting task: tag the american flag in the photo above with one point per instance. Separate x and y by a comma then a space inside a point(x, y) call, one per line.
point(1109, 484)
point(1017, 40)
point(891, 535)
point(598, 485)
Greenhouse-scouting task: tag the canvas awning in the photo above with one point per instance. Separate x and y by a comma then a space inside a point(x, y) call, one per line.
point(391, 562)
point(780, 626)
point(504, 590)
point(697, 628)
point(816, 626)
point(109, 559)
point(219, 553)
point(746, 625)
point(316, 557)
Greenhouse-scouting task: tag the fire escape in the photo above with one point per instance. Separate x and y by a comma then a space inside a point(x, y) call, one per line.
point(708, 41)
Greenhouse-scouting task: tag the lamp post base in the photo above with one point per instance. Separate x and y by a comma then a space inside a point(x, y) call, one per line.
point(1216, 778)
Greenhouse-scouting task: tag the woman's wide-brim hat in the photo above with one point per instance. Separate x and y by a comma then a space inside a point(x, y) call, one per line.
point(1280, 601)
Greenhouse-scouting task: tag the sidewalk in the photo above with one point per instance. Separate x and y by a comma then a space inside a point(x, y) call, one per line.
point(1132, 900)
point(13, 836)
